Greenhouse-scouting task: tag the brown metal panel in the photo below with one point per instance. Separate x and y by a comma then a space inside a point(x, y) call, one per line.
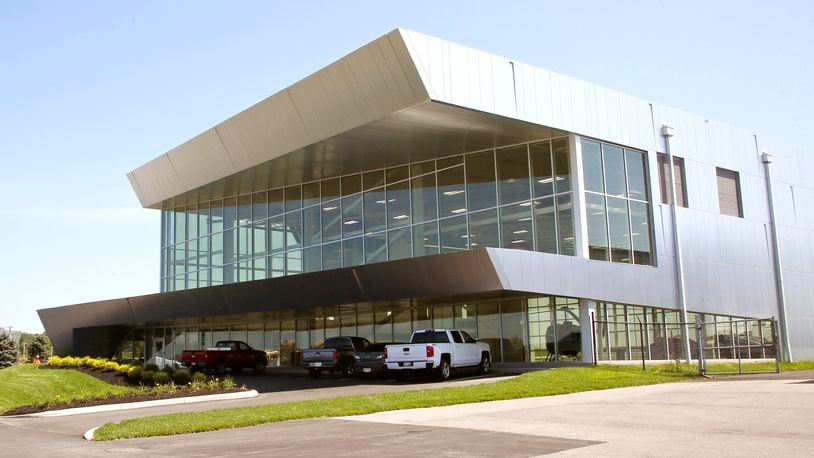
point(459, 274)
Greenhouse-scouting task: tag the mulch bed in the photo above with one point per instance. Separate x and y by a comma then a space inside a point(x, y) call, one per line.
point(114, 379)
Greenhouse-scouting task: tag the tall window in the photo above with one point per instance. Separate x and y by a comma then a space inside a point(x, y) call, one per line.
point(678, 177)
point(729, 192)
point(616, 203)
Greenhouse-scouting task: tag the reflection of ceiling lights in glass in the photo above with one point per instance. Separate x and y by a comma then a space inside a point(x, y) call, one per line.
point(518, 241)
point(569, 239)
point(353, 221)
point(383, 201)
point(452, 193)
point(524, 219)
point(521, 231)
point(525, 204)
point(460, 210)
point(463, 236)
point(400, 216)
point(546, 180)
point(327, 209)
point(597, 213)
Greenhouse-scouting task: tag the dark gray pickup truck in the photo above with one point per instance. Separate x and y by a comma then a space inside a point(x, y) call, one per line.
point(338, 354)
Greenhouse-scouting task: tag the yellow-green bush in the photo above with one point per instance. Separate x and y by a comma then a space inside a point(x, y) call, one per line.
point(160, 378)
point(98, 363)
point(123, 368)
point(111, 366)
point(134, 374)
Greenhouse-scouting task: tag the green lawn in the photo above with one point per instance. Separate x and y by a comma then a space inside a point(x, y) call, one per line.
point(540, 383)
point(760, 367)
point(27, 385)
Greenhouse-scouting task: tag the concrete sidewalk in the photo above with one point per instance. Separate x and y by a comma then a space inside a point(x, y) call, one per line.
point(711, 418)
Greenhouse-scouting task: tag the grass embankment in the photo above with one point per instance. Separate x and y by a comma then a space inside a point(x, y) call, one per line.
point(542, 383)
point(27, 385)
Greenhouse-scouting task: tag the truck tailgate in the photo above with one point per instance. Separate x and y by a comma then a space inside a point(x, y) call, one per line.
point(406, 352)
point(316, 358)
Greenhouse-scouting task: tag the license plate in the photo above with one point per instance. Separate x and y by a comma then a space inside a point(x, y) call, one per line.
point(408, 364)
point(366, 369)
point(316, 364)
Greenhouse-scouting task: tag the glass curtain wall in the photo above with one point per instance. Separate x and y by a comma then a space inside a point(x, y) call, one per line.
point(517, 330)
point(517, 197)
point(617, 203)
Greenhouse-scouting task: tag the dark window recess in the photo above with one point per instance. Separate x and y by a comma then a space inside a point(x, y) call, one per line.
point(729, 193)
point(430, 337)
point(679, 177)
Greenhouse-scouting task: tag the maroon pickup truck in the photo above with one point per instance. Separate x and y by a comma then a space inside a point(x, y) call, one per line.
point(226, 354)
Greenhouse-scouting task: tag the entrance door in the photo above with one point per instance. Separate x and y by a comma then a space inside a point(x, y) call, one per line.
point(158, 351)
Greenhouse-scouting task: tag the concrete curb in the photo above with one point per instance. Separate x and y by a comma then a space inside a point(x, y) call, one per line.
point(140, 405)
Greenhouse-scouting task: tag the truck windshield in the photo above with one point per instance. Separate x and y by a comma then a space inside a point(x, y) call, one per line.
point(430, 337)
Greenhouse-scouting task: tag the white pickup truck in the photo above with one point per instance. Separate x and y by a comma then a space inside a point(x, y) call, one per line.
point(438, 350)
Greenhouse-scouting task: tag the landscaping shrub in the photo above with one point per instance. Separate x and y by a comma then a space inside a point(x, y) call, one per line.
point(199, 377)
point(182, 377)
point(111, 366)
point(159, 378)
point(134, 374)
point(70, 361)
point(55, 361)
point(228, 383)
point(151, 367)
point(85, 361)
point(123, 368)
point(168, 370)
point(147, 377)
point(98, 363)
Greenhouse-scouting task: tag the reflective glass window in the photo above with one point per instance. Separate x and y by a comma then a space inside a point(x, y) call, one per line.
point(513, 174)
point(565, 224)
point(592, 166)
point(312, 259)
point(352, 215)
point(635, 164)
point(545, 222)
point(312, 225)
point(597, 227)
point(276, 202)
point(640, 233)
point(229, 212)
point(293, 198)
point(483, 229)
point(453, 234)
point(480, 180)
point(330, 189)
point(293, 262)
point(331, 221)
point(332, 255)
point(425, 239)
point(310, 194)
point(513, 330)
point(398, 197)
point(619, 228)
point(614, 170)
point(383, 326)
point(260, 206)
point(293, 224)
point(515, 226)
point(425, 200)
point(276, 234)
point(489, 329)
point(542, 169)
point(562, 165)
point(276, 265)
point(192, 221)
point(352, 252)
point(399, 244)
point(421, 168)
point(375, 218)
point(451, 192)
point(216, 216)
point(375, 248)
point(180, 225)
point(402, 325)
point(466, 318)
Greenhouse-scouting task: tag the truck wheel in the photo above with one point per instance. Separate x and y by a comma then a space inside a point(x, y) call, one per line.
point(259, 367)
point(220, 369)
point(348, 369)
point(485, 364)
point(444, 370)
point(314, 373)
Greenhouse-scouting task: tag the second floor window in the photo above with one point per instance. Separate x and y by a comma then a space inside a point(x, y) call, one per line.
point(678, 176)
point(729, 192)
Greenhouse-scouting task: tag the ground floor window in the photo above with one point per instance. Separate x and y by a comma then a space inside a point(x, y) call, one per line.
point(526, 329)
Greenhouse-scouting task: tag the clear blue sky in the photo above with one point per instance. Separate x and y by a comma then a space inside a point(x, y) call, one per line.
point(92, 90)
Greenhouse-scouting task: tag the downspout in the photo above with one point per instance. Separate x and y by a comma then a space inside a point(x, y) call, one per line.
point(667, 132)
point(785, 346)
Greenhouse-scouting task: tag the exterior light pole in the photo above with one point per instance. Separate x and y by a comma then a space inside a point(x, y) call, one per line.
point(785, 347)
point(667, 132)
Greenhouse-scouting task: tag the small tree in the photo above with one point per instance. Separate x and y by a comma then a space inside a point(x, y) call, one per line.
point(40, 346)
point(8, 351)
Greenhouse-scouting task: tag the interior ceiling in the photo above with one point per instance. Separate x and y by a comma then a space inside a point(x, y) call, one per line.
point(425, 131)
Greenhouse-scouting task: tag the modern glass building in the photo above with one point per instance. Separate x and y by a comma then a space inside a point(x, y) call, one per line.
point(416, 183)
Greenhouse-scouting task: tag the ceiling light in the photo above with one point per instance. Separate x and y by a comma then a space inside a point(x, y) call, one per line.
point(353, 221)
point(460, 210)
point(400, 217)
point(521, 231)
point(452, 193)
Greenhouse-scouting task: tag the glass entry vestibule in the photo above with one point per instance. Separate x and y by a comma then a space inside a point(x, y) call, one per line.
point(523, 329)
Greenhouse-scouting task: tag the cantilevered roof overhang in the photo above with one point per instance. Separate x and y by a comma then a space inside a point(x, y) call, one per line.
point(404, 97)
